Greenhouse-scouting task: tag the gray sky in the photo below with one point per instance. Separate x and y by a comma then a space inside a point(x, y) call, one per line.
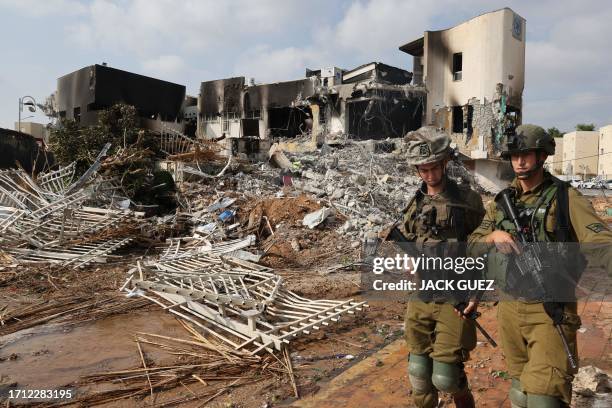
point(568, 67)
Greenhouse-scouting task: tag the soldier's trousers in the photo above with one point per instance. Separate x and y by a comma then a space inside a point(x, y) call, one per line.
point(533, 348)
point(434, 329)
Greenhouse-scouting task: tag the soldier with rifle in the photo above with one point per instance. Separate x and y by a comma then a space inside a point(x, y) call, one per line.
point(525, 233)
point(441, 212)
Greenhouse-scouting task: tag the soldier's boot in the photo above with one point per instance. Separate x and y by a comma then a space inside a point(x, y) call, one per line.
point(518, 399)
point(544, 401)
point(451, 378)
point(420, 368)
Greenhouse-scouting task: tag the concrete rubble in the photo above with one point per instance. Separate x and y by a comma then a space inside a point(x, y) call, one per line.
point(592, 388)
point(224, 262)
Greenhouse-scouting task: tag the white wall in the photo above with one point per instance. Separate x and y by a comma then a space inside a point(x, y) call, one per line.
point(605, 152)
point(213, 130)
point(491, 55)
point(487, 173)
point(580, 150)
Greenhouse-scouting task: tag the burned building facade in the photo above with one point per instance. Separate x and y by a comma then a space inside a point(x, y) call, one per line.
point(474, 74)
point(371, 101)
point(228, 107)
point(81, 94)
point(374, 101)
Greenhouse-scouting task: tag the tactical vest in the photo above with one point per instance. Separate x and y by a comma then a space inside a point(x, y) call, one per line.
point(532, 217)
point(438, 221)
point(565, 261)
point(437, 227)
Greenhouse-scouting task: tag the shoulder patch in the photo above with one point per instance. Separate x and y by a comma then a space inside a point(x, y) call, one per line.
point(596, 227)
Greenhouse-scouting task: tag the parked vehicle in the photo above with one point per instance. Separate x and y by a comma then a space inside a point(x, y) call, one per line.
point(575, 182)
point(604, 184)
point(587, 184)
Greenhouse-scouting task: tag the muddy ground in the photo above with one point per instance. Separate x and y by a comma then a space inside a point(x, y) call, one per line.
point(75, 324)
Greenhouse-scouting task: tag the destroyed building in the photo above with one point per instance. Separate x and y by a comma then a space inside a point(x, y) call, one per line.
point(85, 92)
point(373, 101)
point(474, 75)
point(467, 79)
point(21, 150)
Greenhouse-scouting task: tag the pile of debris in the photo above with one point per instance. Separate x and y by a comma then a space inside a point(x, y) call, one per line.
point(592, 388)
point(368, 183)
point(356, 189)
point(47, 220)
point(241, 303)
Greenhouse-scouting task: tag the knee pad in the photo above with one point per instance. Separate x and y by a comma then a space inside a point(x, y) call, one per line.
point(419, 372)
point(447, 377)
point(518, 398)
point(543, 401)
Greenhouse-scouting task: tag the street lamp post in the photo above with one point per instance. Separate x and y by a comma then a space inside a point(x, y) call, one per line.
point(25, 101)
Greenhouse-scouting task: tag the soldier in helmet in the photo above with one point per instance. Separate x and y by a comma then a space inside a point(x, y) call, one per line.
point(441, 211)
point(548, 211)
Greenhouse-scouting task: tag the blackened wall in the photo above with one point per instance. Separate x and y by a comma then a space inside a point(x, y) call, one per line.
point(280, 94)
point(221, 96)
point(99, 87)
point(17, 147)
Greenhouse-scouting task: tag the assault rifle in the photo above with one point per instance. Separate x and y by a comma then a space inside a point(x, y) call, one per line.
point(529, 263)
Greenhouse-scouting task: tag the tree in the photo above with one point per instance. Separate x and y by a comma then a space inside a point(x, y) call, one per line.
point(71, 142)
point(131, 158)
point(49, 108)
point(554, 132)
point(585, 126)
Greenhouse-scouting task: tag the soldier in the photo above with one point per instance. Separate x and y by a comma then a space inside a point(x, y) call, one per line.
point(441, 211)
point(551, 211)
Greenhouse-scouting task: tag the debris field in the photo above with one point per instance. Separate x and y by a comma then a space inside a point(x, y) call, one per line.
point(248, 293)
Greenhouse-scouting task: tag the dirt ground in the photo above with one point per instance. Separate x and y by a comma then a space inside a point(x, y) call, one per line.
point(73, 324)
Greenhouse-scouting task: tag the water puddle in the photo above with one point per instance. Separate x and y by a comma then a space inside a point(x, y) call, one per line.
point(51, 356)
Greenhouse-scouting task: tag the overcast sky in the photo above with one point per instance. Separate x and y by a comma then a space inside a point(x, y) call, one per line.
point(568, 67)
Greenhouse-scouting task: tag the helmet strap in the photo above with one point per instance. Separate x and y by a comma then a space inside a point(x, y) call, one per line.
point(526, 174)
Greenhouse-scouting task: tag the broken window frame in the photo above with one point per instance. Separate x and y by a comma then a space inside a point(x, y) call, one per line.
point(253, 114)
point(211, 118)
point(457, 66)
point(76, 114)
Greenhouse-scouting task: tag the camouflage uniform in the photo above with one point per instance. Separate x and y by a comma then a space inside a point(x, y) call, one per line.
point(439, 341)
point(537, 362)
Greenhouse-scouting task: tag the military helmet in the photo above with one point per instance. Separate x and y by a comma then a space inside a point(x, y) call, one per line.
point(527, 138)
point(427, 145)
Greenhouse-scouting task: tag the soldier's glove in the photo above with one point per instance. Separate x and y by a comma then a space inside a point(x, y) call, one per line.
point(555, 311)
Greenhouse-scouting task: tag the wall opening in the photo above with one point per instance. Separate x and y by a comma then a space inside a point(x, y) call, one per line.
point(457, 119)
point(512, 119)
point(457, 66)
point(470, 120)
point(77, 114)
point(250, 127)
point(289, 122)
point(380, 119)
